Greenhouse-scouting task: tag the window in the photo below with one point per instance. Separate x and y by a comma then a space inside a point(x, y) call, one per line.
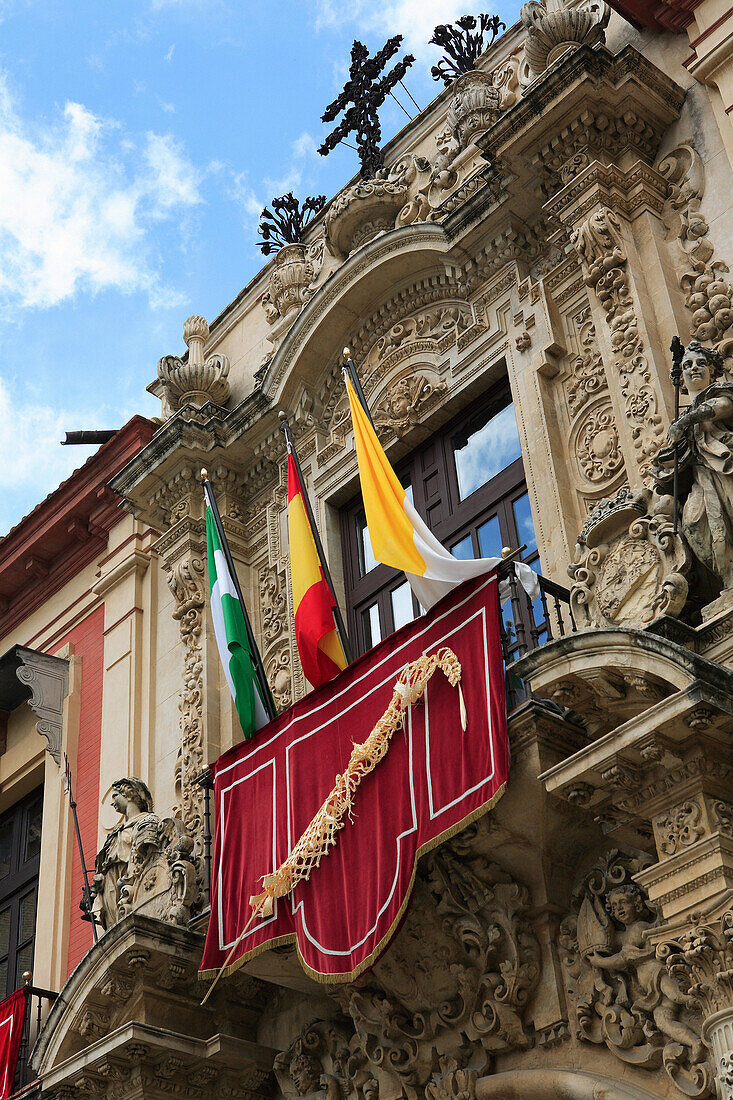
point(20, 851)
point(467, 482)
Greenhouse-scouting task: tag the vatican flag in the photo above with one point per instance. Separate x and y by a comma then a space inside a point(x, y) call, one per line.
point(399, 536)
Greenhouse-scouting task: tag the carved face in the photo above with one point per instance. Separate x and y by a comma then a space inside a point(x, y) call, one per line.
point(119, 800)
point(305, 1073)
point(624, 906)
point(696, 371)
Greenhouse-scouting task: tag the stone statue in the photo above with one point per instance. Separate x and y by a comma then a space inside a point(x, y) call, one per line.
point(315, 1062)
point(146, 864)
point(703, 435)
point(623, 994)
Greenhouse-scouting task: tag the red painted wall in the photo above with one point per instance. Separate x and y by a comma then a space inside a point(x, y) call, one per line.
point(88, 641)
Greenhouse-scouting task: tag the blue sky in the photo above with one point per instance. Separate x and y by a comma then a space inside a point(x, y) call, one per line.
point(138, 144)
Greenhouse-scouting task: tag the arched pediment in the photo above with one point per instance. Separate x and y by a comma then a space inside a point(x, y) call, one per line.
point(393, 262)
point(555, 1084)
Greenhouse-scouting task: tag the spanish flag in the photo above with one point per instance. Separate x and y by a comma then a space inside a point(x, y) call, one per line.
point(319, 648)
point(398, 534)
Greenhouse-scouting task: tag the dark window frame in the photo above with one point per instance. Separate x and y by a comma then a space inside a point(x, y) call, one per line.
point(15, 887)
point(449, 517)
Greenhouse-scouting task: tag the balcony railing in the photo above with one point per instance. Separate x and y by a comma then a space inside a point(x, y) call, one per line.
point(36, 998)
point(526, 625)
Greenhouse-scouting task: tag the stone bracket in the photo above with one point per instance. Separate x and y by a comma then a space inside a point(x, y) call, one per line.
point(47, 677)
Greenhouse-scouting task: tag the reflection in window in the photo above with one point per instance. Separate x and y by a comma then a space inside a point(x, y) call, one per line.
point(463, 550)
point(486, 446)
point(525, 526)
point(367, 561)
point(402, 611)
point(370, 626)
point(489, 538)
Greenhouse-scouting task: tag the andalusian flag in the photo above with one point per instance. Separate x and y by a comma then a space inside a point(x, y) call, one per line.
point(398, 535)
point(321, 655)
point(232, 638)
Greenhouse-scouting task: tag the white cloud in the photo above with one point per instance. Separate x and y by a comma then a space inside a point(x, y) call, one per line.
point(32, 463)
point(78, 201)
point(252, 201)
point(415, 19)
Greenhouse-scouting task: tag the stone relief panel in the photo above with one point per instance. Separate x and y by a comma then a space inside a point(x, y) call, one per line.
point(621, 993)
point(458, 977)
point(317, 1062)
point(600, 247)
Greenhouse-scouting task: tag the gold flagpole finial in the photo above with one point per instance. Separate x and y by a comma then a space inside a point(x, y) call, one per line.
point(347, 353)
point(204, 474)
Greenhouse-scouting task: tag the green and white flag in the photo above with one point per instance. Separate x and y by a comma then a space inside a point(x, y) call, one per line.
point(232, 638)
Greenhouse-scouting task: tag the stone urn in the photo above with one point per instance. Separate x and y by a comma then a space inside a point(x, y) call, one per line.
point(192, 381)
point(363, 211)
point(553, 30)
point(290, 280)
point(474, 107)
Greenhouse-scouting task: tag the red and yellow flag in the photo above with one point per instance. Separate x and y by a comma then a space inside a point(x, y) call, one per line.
point(320, 650)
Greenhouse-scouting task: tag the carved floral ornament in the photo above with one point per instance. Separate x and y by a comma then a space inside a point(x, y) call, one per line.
point(622, 994)
point(194, 380)
point(554, 28)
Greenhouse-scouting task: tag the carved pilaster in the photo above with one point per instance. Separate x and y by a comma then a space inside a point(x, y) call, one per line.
point(700, 961)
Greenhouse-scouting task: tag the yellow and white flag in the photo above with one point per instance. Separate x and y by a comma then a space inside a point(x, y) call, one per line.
point(399, 536)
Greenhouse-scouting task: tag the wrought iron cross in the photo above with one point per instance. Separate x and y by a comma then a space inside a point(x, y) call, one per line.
point(364, 93)
point(286, 222)
point(463, 43)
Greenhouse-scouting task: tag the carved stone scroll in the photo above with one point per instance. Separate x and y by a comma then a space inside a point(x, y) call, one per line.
point(47, 677)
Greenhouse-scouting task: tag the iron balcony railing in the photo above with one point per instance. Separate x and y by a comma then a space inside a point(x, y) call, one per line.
point(35, 999)
point(526, 625)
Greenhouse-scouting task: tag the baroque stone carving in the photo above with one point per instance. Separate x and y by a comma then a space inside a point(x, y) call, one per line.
point(629, 566)
point(679, 827)
point(600, 248)
point(623, 995)
point(186, 582)
point(703, 439)
point(700, 961)
point(552, 31)
point(47, 679)
point(316, 1062)
point(587, 377)
point(193, 380)
point(475, 104)
point(596, 445)
point(406, 401)
point(458, 977)
point(146, 863)
point(708, 295)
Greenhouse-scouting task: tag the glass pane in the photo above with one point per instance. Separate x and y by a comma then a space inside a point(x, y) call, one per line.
point(4, 991)
point(463, 550)
point(33, 834)
point(370, 626)
point(402, 611)
point(488, 445)
point(27, 917)
point(6, 847)
point(367, 561)
point(525, 527)
point(489, 538)
point(4, 934)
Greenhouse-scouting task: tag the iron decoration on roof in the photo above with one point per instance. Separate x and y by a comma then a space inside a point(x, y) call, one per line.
point(463, 42)
point(364, 93)
point(287, 221)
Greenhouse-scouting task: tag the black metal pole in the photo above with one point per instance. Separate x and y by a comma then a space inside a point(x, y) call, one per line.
point(678, 351)
point(87, 889)
point(340, 624)
point(269, 702)
point(350, 368)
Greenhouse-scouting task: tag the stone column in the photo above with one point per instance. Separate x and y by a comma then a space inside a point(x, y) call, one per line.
point(701, 960)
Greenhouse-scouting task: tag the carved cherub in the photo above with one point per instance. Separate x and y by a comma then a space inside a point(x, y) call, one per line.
point(652, 988)
point(703, 438)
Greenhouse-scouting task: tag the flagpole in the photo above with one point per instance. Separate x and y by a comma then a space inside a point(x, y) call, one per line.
point(350, 368)
point(259, 668)
point(341, 625)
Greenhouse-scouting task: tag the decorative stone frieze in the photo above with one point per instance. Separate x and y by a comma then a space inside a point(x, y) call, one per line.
point(551, 30)
point(623, 996)
point(146, 865)
point(406, 401)
point(316, 1062)
point(192, 380)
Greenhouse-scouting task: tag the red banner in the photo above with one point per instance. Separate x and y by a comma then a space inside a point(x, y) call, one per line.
point(12, 1017)
point(434, 780)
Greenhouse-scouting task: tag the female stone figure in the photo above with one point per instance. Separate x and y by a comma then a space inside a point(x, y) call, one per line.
point(703, 436)
point(133, 800)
